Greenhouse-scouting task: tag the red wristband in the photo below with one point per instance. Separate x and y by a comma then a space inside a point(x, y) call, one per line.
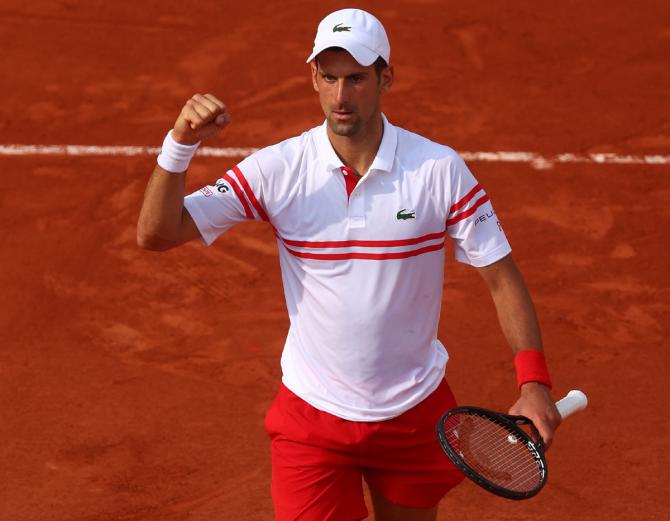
point(531, 366)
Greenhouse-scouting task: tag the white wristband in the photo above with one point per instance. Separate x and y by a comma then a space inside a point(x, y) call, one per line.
point(175, 157)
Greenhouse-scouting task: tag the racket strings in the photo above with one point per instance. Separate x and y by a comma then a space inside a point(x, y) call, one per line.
point(493, 451)
point(497, 454)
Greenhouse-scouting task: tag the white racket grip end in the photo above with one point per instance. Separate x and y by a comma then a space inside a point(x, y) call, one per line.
point(574, 401)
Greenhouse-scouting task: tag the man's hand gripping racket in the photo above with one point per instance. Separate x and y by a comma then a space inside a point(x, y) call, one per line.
point(494, 451)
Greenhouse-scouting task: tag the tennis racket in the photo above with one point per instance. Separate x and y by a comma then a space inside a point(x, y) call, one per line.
point(494, 451)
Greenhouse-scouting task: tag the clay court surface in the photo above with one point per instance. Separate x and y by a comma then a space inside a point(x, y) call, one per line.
point(133, 385)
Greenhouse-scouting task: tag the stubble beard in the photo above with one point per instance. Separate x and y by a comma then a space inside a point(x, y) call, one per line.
point(344, 128)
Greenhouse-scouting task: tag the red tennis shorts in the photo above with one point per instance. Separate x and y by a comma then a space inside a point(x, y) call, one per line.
point(318, 459)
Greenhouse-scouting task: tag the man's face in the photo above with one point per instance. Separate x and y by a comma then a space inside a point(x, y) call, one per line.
point(349, 93)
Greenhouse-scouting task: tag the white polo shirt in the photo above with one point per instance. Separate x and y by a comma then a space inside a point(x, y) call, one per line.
point(362, 275)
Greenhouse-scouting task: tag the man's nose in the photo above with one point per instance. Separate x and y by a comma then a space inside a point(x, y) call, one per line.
point(342, 91)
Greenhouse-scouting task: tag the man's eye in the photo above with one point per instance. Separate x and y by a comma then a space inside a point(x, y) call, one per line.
point(356, 79)
point(329, 79)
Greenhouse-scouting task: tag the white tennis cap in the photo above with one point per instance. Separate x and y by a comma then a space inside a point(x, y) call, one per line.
point(355, 30)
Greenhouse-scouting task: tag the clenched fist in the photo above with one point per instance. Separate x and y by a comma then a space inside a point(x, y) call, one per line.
point(201, 117)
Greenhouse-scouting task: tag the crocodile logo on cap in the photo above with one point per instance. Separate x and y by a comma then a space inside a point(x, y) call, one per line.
point(340, 28)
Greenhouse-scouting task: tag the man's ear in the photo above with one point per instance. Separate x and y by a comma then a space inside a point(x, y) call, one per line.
point(387, 77)
point(315, 70)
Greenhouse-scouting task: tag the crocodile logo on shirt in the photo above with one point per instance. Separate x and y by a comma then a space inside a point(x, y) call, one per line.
point(405, 214)
point(340, 28)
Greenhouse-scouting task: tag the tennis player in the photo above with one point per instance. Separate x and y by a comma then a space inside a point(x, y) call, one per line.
point(361, 210)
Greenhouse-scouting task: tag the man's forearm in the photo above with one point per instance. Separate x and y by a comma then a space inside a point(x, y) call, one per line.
point(520, 326)
point(516, 312)
point(160, 220)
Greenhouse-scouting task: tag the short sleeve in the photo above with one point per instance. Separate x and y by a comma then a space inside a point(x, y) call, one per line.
point(479, 239)
point(235, 197)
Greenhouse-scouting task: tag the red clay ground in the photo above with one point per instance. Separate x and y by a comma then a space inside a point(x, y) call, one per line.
point(133, 385)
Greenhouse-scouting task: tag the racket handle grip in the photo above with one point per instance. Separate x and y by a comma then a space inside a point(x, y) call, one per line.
point(574, 401)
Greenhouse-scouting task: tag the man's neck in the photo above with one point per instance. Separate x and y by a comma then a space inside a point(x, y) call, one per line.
point(359, 151)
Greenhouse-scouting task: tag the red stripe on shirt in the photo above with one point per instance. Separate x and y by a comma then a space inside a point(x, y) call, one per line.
point(366, 256)
point(346, 244)
point(468, 213)
point(240, 196)
point(250, 193)
point(460, 204)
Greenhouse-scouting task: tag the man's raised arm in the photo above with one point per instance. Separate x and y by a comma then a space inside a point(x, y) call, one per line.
point(164, 223)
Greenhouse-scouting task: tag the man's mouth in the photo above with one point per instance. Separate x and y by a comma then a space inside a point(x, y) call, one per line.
point(342, 114)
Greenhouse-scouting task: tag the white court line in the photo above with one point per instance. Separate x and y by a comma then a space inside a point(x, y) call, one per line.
point(536, 160)
point(93, 150)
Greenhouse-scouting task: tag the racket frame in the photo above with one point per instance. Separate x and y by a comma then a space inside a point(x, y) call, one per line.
point(511, 424)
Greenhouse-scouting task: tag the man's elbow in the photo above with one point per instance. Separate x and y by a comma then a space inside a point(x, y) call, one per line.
point(151, 242)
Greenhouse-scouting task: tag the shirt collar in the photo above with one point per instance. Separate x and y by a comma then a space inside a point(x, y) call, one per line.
point(385, 154)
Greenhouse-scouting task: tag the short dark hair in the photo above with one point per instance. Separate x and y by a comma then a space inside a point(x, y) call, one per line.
point(380, 63)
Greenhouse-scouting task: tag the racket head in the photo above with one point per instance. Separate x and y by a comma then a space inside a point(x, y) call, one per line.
point(494, 451)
